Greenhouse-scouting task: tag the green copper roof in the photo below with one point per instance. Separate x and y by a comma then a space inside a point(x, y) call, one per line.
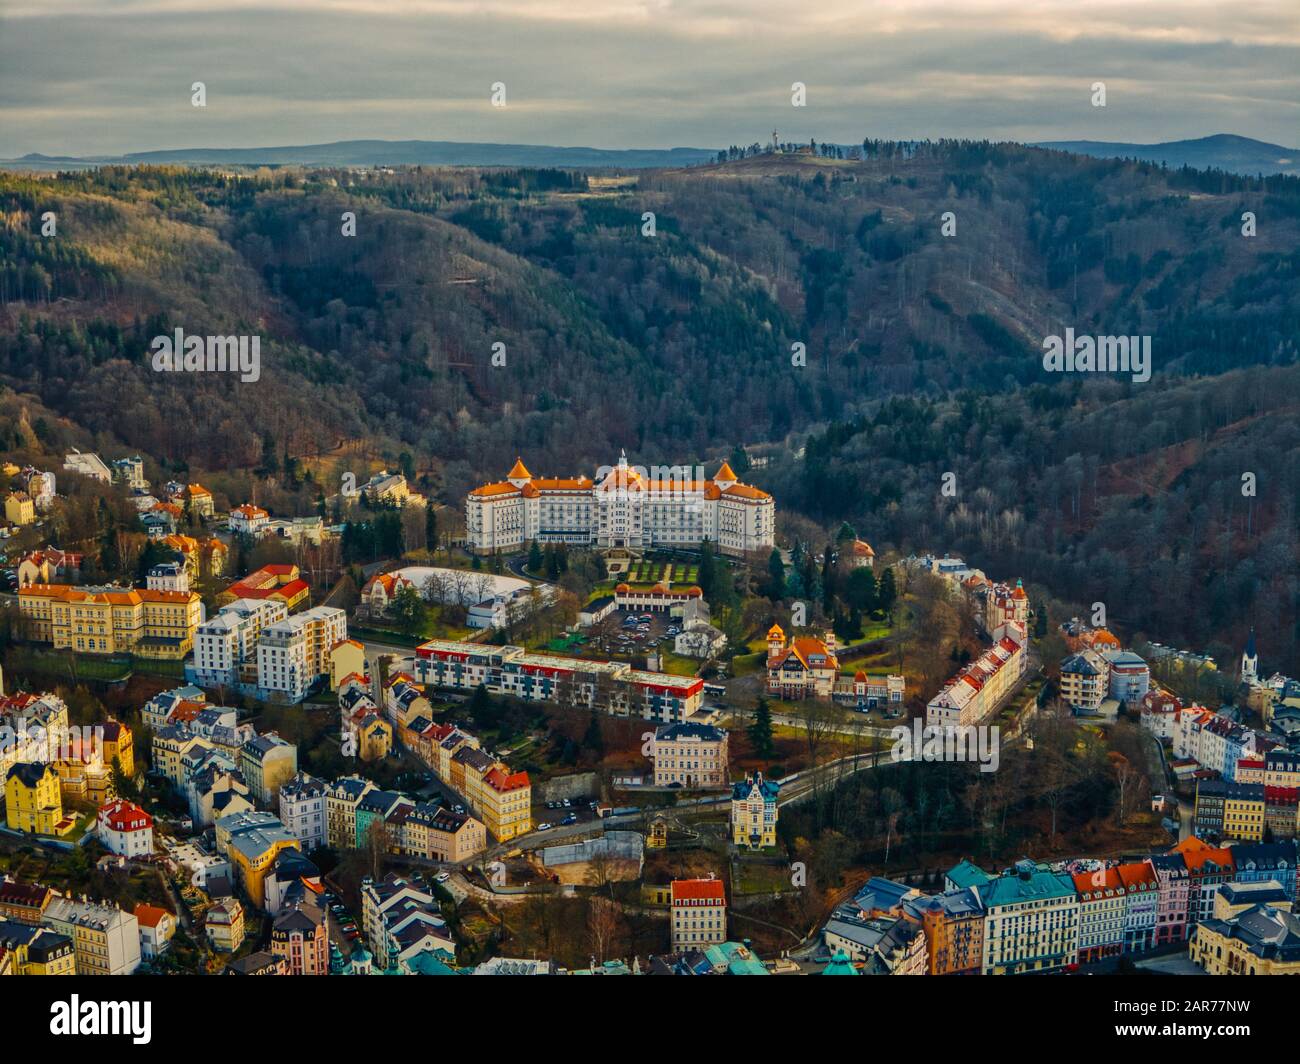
point(840, 965)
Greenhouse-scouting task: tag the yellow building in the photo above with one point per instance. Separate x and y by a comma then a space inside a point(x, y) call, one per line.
point(224, 925)
point(156, 624)
point(1243, 815)
point(106, 939)
point(754, 812)
point(33, 950)
point(1263, 940)
point(252, 841)
point(346, 657)
point(33, 802)
point(19, 508)
point(374, 735)
point(203, 558)
point(119, 743)
point(170, 744)
point(86, 781)
point(505, 803)
point(267, 761)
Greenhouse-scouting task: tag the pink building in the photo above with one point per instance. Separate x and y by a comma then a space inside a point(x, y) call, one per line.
point(1174, 897)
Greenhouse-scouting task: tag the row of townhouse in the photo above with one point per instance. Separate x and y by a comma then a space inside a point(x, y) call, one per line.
point(1034, 918)
point(501, 799)
point(607, 686)
point(202, 760)
point(53, 934)
point(1212, 740)
point(401, 919)
point(1249, 811)
point(426, 830)
point(979, 688)
point(367, 734)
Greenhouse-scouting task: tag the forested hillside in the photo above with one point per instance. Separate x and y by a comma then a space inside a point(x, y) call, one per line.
point(923, 350)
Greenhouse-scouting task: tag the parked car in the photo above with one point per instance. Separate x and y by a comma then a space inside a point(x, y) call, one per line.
point(442, 877)
point(544, 827)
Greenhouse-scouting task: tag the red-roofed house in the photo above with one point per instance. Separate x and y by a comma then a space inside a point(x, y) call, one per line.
point(156, 929)
point(699, 913)
point(125, 829)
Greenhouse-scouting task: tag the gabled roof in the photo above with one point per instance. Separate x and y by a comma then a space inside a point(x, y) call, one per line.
point(519, 471)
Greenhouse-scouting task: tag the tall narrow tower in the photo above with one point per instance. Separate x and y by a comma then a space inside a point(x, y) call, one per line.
point(1250, 662)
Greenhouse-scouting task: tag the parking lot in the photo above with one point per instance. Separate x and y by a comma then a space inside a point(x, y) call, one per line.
point(564, 813)
point(625, 633)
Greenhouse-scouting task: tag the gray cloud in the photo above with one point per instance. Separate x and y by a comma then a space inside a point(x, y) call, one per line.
point(113, 77)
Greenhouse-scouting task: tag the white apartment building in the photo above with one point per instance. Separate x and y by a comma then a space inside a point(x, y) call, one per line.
point(303, 812)
point(976, 691)
point(88, 465)
point(627, 507)
point(125, 829)
point(294, 652)
point(1031, 921)
point(226, 643)
point(248, 519)
point(1085, 681)
point(699, 913)
point(168, 576)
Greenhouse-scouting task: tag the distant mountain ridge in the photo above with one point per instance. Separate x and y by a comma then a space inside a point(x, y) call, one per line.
point(392, 153)
point(1223, 151)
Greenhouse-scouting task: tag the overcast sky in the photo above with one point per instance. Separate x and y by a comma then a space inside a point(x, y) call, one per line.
point(85, 77)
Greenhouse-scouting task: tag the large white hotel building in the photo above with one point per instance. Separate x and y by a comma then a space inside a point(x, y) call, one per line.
point(625, 506)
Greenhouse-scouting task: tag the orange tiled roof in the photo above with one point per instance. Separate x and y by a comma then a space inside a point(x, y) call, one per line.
point(710, 890)
point(745, 491)
point(725, 473)
point(1093, 882)
point(519, 471)
point(502, 781)
point(501, 488)
point(119, 597)
point(150, 915)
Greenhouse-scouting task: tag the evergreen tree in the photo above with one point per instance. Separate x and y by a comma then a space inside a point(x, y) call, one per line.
point(592, 740)
point(861, 592)
point(707, 574)
point(828, 582)
point(534, 558)
point(430, 526)
point(887, 593)
point(481, 709)
point(775, 576)
point(760, 731)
